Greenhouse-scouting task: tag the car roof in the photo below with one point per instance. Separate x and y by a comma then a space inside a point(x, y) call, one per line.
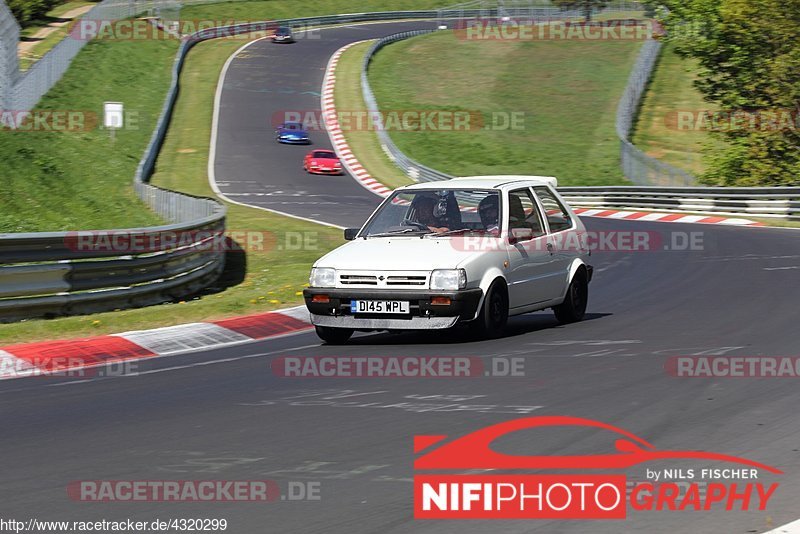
point(325, 150)
point(503, 181)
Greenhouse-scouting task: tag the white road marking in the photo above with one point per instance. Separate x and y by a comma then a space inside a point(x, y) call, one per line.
point(13, 367)
point(789, 528)
point(184, 337)
point(189, 366)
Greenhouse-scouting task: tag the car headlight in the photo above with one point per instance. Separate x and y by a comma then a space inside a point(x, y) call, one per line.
point(449, 279)
point(322, 277)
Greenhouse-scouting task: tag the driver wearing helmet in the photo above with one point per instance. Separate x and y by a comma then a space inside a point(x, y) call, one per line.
point(424, 207)
point(489, 211)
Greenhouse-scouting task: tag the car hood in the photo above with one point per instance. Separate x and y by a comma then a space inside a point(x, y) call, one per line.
point(293, 133)
point(397, 253)
point(325, 161)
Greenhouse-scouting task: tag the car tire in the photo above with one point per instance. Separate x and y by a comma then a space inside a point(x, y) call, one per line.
point(334, 336)
point(573, 308)
point(493, 316)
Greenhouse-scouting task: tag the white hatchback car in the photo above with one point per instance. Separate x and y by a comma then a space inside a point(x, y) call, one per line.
point(475, 249)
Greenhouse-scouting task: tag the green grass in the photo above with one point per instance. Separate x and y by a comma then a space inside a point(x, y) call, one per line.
point(77, 181)
point(45, 45)
point(363, 143)
point(53, 181)
point(274, 277)
point(281, 9)
point(567, 92)
point(57, 12)
point(670, 92)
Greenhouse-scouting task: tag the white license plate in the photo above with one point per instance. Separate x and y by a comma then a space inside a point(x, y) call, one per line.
point(379, 306)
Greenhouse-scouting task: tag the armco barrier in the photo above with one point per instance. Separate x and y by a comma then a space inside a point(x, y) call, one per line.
point(767, 202)
point(51, 273)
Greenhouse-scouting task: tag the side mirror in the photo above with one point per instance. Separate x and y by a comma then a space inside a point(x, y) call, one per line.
point(350, 233)
point(520, 234)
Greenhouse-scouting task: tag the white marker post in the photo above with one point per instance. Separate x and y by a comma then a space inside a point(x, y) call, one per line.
point(113, 117)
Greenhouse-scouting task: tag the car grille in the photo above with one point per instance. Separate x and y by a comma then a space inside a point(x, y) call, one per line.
point(407, 280)
point(358, 279)
point(387, 279)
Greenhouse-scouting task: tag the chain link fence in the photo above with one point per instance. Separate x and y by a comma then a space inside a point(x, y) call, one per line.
point(21, 90)
point(637, 166)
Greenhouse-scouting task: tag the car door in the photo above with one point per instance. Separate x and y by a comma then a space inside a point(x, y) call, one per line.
point(530, 269)
point(563, 247)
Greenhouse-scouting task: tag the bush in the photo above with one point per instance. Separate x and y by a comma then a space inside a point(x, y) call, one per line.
point(26, 11)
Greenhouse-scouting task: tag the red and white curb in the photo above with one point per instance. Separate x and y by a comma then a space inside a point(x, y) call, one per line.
point(364, 178)
point(335, 131)
point(663, 217)
point(62, 357)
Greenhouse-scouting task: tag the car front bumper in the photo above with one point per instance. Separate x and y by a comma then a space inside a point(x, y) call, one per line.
point(312, 170)
point(294, 141)
point(423, 314)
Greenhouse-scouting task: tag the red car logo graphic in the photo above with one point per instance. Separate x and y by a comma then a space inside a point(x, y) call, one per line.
point(473, 451)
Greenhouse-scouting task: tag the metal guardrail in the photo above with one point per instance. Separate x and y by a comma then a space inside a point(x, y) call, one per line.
point(767, 202)
point(413, 169)
point(61, 273)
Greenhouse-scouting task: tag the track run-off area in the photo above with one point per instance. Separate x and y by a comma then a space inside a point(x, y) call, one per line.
point(225, 414)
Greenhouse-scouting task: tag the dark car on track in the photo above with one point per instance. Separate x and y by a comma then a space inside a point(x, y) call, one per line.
point(283, 35)
point(292, 133)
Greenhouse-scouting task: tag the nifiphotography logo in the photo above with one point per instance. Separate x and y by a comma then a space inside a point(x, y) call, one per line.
point(574, 496)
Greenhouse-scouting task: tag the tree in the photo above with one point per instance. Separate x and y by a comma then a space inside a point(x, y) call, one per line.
point(586, 6)
point(749, 55)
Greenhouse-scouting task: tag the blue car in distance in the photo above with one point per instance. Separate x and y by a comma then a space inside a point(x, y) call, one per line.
point(292, 133)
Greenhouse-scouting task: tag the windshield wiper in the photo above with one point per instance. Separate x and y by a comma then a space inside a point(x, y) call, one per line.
point(458, 231)
point(396, 232)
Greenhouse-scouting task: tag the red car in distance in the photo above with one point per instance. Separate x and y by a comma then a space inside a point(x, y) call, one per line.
point(322, 162)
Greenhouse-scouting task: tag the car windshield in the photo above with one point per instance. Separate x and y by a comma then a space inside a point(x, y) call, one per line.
point(322, 154)
point(283, 31)
point(433, 213)
point(292, 126)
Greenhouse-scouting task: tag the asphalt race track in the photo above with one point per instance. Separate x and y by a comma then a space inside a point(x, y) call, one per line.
point(264, 82)
point(225, 415)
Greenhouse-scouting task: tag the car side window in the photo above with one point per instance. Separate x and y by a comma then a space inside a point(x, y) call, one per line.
point(523, 213)
point(557, 216)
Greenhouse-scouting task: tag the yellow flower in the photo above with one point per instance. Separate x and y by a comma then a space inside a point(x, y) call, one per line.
point(298, 293)
point(253, 301)
point(273, 301)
